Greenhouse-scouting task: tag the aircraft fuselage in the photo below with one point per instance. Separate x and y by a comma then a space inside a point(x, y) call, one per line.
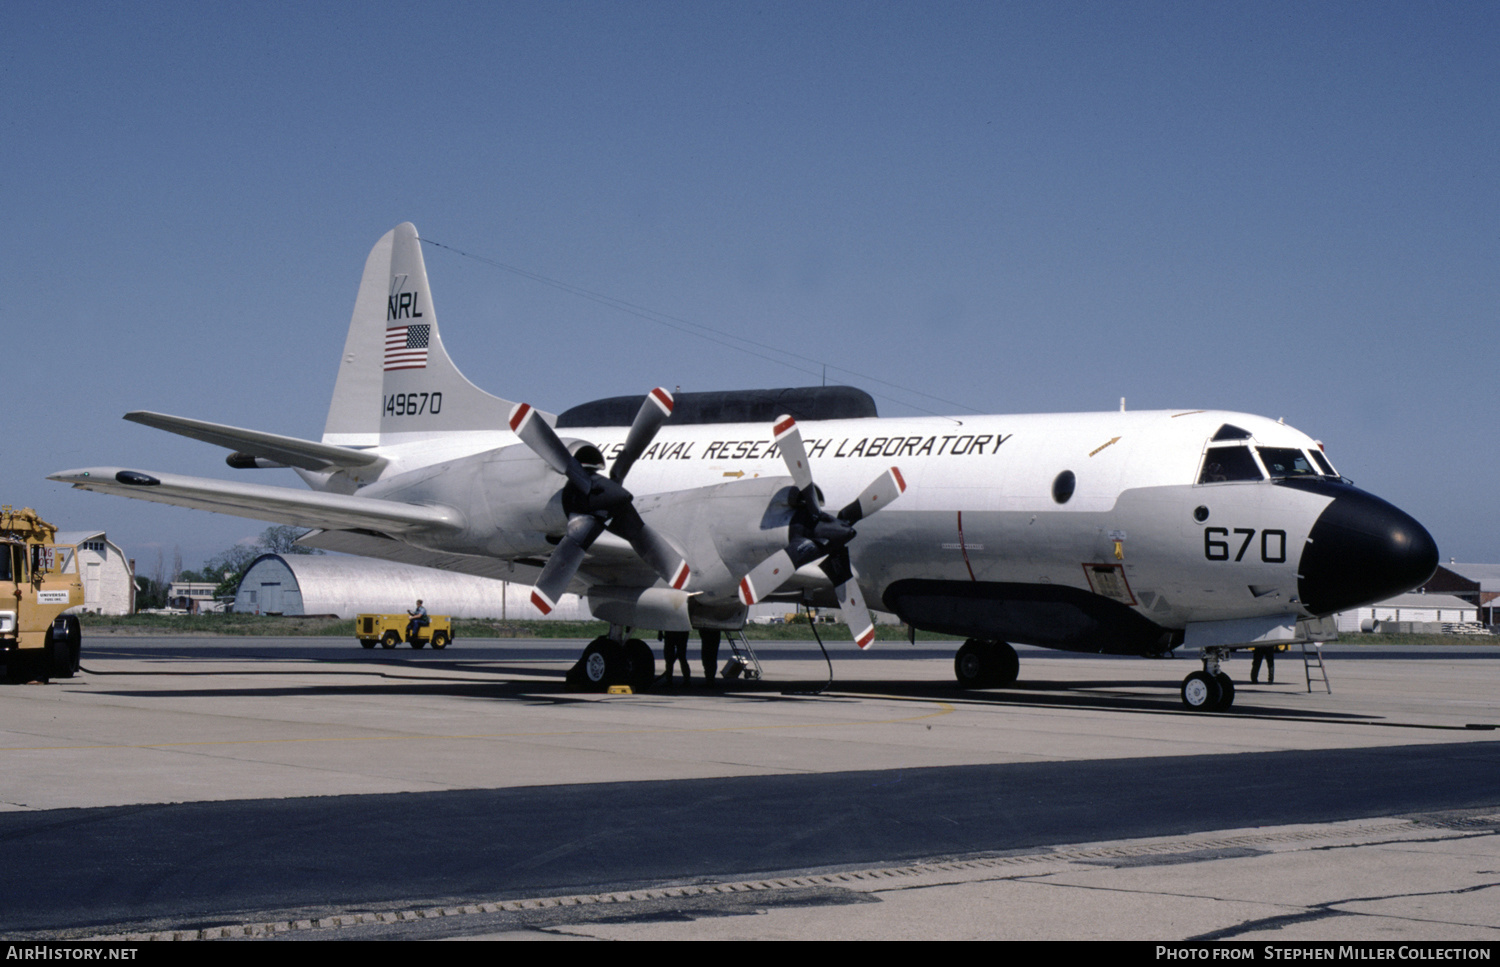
point(1087, 531)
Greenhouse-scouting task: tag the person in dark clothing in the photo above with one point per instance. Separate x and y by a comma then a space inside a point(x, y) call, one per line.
point(709, 638)
point(1268, 655)
point(674, 649)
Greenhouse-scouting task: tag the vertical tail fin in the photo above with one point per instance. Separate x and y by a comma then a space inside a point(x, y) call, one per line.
point(395, 377)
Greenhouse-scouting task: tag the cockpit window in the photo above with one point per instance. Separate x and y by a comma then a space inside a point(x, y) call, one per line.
point(1230, 432)
point(1223, 464)
point(1323, 463)
point(1286, 462)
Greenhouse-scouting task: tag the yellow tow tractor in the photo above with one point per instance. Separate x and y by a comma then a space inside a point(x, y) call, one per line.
point(389, 630)
point(39, 580)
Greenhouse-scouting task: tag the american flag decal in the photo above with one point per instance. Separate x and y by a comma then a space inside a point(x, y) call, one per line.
point(406, 347)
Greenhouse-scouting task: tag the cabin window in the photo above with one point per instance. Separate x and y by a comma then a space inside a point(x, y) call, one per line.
point(1063, 486)
point(1225, 464)
point(1286, 462)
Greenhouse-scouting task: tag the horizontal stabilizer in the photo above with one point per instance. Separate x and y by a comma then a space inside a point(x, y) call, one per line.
point(283, 505)
point(271, 446)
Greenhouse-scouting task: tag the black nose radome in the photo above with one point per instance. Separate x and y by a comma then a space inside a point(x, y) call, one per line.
point(1362, 550)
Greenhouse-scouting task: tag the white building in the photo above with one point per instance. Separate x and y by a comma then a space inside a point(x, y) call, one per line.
point(346, 586)
point(108, 578)
point(1435, 609)
point(194, 597)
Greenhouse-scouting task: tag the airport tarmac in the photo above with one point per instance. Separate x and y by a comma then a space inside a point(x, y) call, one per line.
point(307, 789)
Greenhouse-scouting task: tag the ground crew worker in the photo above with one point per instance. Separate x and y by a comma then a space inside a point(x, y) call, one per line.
point(419, 620)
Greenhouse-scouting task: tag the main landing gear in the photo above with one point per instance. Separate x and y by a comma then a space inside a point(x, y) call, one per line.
point(981, 663)
point(610, 661)
point(1209, 690)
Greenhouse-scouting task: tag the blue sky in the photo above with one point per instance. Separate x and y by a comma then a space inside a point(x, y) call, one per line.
point(1287, 209)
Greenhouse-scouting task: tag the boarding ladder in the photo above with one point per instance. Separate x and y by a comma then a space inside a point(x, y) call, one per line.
point(1312, 664)
point(744, 663)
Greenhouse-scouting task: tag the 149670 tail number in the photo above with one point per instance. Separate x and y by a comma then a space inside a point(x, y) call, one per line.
point(412, 404)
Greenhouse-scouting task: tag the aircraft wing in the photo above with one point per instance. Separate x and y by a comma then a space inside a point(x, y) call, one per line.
point(301, 508)
point(368, 544)
point(272, 446)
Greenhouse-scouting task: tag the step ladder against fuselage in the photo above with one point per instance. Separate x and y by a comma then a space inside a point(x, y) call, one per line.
point(742, 663)
point(1312, 664)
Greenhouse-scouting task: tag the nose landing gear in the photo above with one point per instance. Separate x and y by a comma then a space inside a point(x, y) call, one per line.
point(1209, 690)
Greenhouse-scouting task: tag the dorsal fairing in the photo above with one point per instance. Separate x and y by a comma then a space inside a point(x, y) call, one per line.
point(395, 377)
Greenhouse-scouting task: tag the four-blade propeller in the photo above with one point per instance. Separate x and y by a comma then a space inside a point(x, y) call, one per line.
point(816, 533)
point(595, 503)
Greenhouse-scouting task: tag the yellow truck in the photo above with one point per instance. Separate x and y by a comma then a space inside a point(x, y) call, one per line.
point(389, 630)
point(39, 580)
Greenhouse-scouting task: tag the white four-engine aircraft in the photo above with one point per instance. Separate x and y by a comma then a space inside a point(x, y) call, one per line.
point(1116, 533)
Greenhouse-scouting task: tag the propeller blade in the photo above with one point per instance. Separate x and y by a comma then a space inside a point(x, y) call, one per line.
point(789, 441)
point(543, 440)
point(856, 615)
point(886, 488)
point(583, 530)
point(766, 577)
point(651, 547)
point(655, 411)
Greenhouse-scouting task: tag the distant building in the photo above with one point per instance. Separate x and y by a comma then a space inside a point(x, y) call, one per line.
point(194, 597)
point(1433, 610)
point(108, 576)
point(1479, 584)
point(343, 585)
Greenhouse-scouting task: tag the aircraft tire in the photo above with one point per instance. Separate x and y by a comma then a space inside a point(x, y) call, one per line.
point(1201, 692)
point(1226, 692)
point(1008, 664)
point(602, 664)
point(390, 639)
point(440, 639)
point(642, 664)
point(977, 665)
